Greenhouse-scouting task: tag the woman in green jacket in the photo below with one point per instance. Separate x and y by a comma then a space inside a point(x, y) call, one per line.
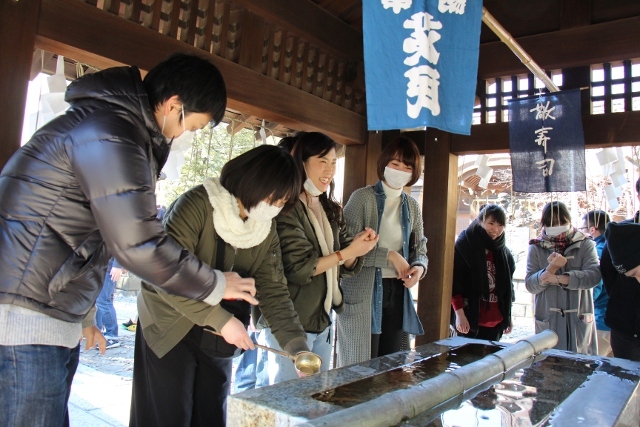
point(316, 250)
point(182, 371)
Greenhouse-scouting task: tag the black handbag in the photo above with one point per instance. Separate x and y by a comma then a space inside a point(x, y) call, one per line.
point(214, 345)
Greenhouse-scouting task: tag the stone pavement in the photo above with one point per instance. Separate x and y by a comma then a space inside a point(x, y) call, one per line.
point(98, 399)
point(101, 389)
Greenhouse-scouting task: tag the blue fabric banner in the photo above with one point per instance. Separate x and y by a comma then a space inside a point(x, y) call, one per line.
point(421, 63)
point(547, 143)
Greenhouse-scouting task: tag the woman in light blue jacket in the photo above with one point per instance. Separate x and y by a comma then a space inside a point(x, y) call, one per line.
point(378, 307)
point(562, 268)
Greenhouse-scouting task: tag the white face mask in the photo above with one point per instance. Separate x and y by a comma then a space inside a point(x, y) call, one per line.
point(309, 186)
point(184, 136)
point(263, 212)
point(183, 141)
point(395, 178)
point(556, 231)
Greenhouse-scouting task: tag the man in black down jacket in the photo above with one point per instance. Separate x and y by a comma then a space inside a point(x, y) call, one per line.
point(80, 190)
point(619, 266)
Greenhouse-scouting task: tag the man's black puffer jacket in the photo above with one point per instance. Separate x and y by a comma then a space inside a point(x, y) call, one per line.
point(83, 187)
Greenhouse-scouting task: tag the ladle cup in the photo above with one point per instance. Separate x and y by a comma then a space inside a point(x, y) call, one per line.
point(306, 362)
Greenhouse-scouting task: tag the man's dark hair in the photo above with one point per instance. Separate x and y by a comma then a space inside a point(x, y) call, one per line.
point(555, 213)
point(264, 172)
point(638, 186)
point(598, 219)
point(196, 81)
point(492, 211)
point(405, 150)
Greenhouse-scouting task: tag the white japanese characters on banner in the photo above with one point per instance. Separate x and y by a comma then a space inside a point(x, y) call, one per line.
point(547, 143)
point(421, 60)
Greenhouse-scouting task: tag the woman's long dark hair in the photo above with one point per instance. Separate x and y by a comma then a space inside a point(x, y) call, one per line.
point(308, 144)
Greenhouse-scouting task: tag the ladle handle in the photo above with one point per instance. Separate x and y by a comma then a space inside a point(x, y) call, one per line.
point(264, 347)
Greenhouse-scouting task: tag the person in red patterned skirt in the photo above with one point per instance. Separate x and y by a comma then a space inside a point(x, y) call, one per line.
point(482, 278)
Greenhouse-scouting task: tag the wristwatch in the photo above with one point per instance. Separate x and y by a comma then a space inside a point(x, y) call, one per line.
point(340, 259)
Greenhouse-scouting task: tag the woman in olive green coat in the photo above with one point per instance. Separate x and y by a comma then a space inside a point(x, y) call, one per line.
point(316, 251)
point(182, 371)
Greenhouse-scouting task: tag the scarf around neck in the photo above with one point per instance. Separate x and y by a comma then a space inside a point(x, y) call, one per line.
point(226, 218)
point(480, 241)
point(560, 242)
point(324, 234)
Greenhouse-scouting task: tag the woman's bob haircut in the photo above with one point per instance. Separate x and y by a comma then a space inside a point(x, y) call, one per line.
point(555, 213)
point(405, 150)
point(265, 172)
point(492, 211)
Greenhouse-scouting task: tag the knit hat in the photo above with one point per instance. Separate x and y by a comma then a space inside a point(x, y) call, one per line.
point(623, 241)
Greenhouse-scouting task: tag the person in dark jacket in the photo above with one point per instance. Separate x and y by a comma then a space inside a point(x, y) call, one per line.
point(182, 372)
point(483, 278)
point(80, 190)
point(620, 266)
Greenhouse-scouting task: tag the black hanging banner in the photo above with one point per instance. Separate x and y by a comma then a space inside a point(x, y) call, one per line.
point(547, 143)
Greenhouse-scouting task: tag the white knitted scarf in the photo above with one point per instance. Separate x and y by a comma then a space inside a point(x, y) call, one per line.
point(226, 218)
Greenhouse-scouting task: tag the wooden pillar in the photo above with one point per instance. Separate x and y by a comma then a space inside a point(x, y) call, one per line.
point(18, 25)
point(360, 164)
point(439, 215)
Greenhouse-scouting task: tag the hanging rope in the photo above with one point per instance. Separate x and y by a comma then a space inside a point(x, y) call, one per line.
point(209, 150)
point(233, 127)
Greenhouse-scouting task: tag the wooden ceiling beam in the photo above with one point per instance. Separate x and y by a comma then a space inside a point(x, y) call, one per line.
point(68, 27)
point(592, 44)
point(312, 23)
point(600, 130)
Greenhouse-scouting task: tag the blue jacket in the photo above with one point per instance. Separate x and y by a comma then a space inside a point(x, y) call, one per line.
point(410, 321)
point(600, 296)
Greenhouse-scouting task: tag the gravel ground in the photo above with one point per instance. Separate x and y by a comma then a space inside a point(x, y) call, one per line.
point(119, 360)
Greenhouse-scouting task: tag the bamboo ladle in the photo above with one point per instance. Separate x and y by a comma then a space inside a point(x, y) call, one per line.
point(306, 362)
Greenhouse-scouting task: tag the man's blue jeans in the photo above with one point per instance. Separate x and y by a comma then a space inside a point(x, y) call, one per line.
point(35, 382)
point(106, 313)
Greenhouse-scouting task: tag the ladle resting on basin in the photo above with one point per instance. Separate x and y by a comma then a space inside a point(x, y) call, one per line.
point(306, 362)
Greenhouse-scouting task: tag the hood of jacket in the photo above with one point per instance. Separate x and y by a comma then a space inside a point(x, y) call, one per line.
point(121, 87)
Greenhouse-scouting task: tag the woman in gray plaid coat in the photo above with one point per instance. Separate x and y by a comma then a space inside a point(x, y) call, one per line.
point(378, 307)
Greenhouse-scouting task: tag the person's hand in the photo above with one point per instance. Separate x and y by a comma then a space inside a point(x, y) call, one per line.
point(411, 279)
point(92, 337)
point(369, 233)
point(556, 262)
point(509, 328)
point(548, 278)
point(361, 244)
point(400, 264)
point(116, 273)
point(240, 288)
point(462, 324)
point(235, 333)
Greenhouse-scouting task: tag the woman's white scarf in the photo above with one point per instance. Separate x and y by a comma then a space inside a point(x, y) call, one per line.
point(334, 296)
point(226, 218)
